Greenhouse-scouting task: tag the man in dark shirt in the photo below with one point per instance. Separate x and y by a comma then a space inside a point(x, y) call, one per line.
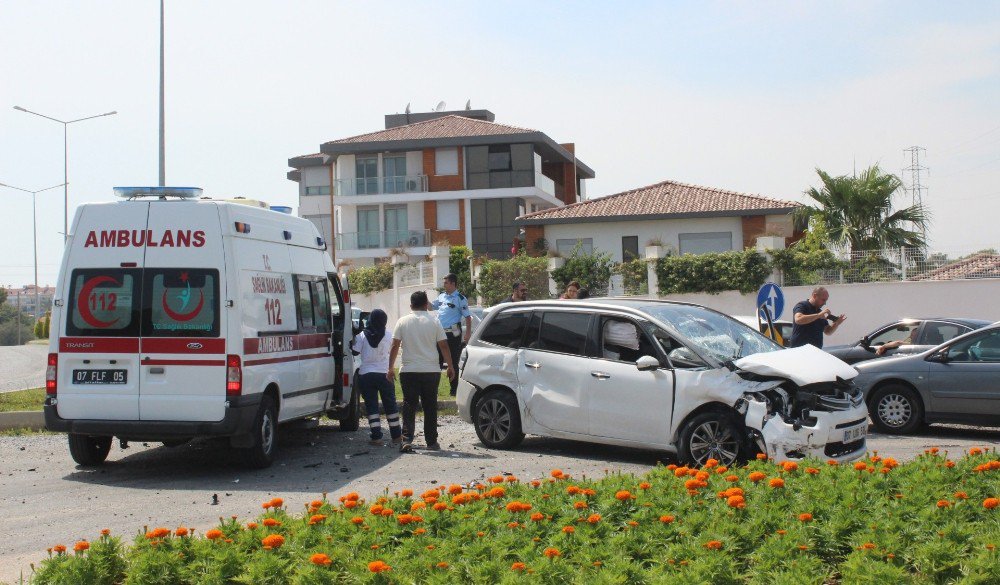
point(519, 293)
point(810, 320)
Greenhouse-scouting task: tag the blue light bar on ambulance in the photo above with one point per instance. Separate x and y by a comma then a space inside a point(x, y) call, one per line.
point(161, 192)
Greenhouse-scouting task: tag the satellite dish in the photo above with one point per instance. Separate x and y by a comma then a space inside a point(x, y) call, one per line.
point(440, 107)
point(468, 104)
point(407, 108)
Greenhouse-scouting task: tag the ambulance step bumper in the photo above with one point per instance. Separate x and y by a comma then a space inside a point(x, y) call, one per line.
point(238, 420)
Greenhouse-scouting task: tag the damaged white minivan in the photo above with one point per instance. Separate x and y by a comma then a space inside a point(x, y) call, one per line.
point(654, 374)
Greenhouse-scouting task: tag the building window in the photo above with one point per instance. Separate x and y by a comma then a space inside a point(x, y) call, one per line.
point(500, 165)
point(366, 176)
point(706, 242)
point(323, 190)
point(493, 229)
point(368, 235)
point(445, 161)
point(448, 215)
point(567, 246)
point(394, 174)
point(630, 248)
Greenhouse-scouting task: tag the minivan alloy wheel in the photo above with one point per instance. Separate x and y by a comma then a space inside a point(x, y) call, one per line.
point(494, 420)
point(894, 410)
point(714, 439)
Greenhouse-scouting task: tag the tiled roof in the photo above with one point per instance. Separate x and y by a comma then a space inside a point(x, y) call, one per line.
point(445, 127)
point(985, 265)
point(663, 199)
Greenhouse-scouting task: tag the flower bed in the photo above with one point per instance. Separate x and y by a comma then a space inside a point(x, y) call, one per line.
point(931, 520)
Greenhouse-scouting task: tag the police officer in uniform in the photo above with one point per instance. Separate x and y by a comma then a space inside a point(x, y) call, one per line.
point(453, 312)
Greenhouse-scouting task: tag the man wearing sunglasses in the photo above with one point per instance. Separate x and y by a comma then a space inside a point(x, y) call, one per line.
point(519, 292)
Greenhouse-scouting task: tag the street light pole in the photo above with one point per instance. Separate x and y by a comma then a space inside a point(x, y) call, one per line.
point(34, 229)
point(65, 185)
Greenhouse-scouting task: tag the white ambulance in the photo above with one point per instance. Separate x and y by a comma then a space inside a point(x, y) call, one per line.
point(177, 317)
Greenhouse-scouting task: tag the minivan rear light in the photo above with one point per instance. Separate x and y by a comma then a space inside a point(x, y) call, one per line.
point(50, 374)
point(234, 376)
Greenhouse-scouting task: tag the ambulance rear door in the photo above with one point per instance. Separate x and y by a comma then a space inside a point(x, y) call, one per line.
point(98, 367)
point(183, 346)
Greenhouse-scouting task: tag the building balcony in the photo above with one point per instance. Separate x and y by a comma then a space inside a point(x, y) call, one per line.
point(380, 186)
point(383, 240)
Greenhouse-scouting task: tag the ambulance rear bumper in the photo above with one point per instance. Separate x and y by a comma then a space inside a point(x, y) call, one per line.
point(238, 420)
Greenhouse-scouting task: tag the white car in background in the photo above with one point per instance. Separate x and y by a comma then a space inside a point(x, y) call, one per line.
point(654, 374)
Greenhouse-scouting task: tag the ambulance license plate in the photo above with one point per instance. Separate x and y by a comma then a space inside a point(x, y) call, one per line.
point(855, 433)
point(100, 376)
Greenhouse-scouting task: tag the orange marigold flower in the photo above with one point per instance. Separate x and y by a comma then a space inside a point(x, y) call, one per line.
point(271, 522)
point(316, 519)
point(81, 546)
point(316, 504)
point(990, 503)
point(351, 504)
point(756, 476)
point(277, 502)
point(213, 534)
point(406, 493)
point(832, 462)
point(352, 497)
point(405, 519)
point(376, 509)
point(721, 469)
point(812, 470)
point(181, 531)
point(568, 530)
point(711, 463)
point(158, 533)
point(623, 495)
point(961, 496)
point(860, 466)
point(511, 479)
point(59, 548)
point(645, 485)
point(420, 531)
point(105, 532)
point(320, 560)
point(579, 505)
point(949, 464)
point(666, 519)
point(440, 506)
point(442, 565)
point(387, 512)
point(551, 552)
point(357, 520)
point(537, 516)
point(573, 490)
point(803, 547)
point(868, 546)
point(496, 479)
point(518, 567)
point(535, 483)
point(943, 503)
point(497, 492)
point(251, 525)
point(736, 502)
point(266, 505)
point(273, 541)
point(594, 518)
point(890, 463)
point(781, 532)
point(776, 482)
point(933, 450)
point(461, 499)
point(378, 567)
point(701, 475)
point(480, 534)
point(805, 517)
point(633, 523)
point(789, 465)
point(517, 506)
point(975, 451)
point(374, 547)
point(454, 490)
point(991, 547)
point(556, 473)
point(713, 544)
point(429, 494)
point(680, 471)
point(761, 457)
point(417, 506)
point(732, 478)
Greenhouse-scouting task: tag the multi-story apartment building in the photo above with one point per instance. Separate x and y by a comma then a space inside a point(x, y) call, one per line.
point(23, 297)
point(427, 177)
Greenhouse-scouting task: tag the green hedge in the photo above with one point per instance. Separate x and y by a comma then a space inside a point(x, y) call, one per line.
point(712, 273)
point(371, 279)
point(458, 264)
point(635, 276)
point(592, 271)
point(803, 267)
point(497, 276)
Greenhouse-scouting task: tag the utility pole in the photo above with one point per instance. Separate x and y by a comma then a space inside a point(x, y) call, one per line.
point(163, 167)
point(916, 188)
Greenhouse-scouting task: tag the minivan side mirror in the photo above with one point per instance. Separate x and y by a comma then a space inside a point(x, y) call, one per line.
point(940, 357)
point(647, 364)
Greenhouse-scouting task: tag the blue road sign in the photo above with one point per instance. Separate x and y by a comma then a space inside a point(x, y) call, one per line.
point(770, 295)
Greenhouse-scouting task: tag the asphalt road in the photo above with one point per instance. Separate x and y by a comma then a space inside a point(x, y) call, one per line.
point(47, 500)
point(22, 366)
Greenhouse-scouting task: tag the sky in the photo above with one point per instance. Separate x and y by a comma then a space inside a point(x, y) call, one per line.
point(747, 96)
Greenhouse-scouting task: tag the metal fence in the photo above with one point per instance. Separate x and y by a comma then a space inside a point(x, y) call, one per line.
point(901, 264)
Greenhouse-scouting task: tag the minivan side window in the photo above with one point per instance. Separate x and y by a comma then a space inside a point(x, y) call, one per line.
point(180, 302)
point(304, 304)
point(104, 302)
point(506, 329)
point(622, 340)
point(564, 332)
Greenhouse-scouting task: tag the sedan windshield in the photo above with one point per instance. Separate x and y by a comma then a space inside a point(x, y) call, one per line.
point(713, 333)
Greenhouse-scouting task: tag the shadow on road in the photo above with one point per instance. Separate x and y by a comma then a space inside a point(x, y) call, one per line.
point(594, 452)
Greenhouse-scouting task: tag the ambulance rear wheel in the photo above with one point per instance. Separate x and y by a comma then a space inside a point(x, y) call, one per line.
point(89, 451)
point(265, 436)
point(349, 422)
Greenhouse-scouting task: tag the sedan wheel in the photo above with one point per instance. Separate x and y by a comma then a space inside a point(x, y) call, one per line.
point(895, 409)
point(497, 420)
point(711, 436)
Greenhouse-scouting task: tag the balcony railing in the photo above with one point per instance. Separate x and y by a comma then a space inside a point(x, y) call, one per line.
point(386, 239)
point(381, 185)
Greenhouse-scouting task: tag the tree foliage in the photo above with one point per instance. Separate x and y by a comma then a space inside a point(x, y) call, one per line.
point(458, 264)
point(367, 280)
point(497, 276)
point(592, 271)
point(635, 276)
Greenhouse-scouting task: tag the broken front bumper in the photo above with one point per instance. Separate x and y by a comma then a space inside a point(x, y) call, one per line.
point(838, 435)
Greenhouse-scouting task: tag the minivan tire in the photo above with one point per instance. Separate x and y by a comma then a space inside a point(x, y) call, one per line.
point(896, 409)
point(265, 436)
point(89, 451)
point(498, 420)
point(706, 436)
point(349, 422)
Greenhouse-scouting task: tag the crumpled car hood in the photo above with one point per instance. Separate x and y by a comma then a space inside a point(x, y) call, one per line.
point(802, 365)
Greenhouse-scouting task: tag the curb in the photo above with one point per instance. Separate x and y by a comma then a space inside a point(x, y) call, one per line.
point(22, 419)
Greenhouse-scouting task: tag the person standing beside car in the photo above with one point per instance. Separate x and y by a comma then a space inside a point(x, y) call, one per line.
point(518, 293)
point(373, 345)
point(810, 321)
point(453, 309)
point(421, 338)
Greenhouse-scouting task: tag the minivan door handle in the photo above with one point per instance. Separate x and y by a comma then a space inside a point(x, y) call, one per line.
point(600, 375)
point(532, 365)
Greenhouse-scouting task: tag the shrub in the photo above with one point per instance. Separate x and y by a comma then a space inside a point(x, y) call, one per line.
point(592, 271)
point(458, 263)
point(371, 279)
point(712, 273)
point(497, 276)
point(635, 276)
point(876, 521)
point(800, 265)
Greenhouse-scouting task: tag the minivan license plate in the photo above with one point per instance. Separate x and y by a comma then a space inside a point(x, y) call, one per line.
point(851, 435)
point(100, 376)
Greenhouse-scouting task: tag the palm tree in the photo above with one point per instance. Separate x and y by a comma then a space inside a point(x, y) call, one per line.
point(856, 212)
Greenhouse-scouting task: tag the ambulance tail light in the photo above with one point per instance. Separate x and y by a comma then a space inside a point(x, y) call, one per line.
point(50, 374)
point(347, 296)
point(347, 380)
point(234, 376)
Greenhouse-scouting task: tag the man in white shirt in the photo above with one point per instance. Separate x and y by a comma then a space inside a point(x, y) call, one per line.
point(421, 337)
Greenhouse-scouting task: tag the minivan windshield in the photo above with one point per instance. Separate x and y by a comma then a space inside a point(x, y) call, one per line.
point(713, 333)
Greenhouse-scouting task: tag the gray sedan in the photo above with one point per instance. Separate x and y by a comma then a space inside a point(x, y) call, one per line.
point(957, 382)
point(917, 336)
